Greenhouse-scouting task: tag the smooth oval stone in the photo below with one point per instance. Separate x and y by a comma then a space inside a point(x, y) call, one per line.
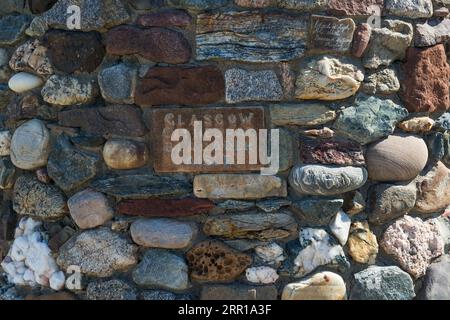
point(23, 82)
point(125, 154)
point(30, 145)
point(321, 286)
point(326, 180)
point(397, 158)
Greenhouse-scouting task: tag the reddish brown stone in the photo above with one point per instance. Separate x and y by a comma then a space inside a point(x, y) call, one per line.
point(425, 87)
point(180, 85)
point(58, 296)
point(331, 152)
point(170, 18)
point(165, 207)
point(155, 44)
point(361, 39)
point(354, 7)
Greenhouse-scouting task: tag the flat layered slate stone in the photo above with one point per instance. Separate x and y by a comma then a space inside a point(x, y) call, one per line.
point(354, 7)
point(238, 292)
point(180, 85)
point(13, 29)
point(105, 121)
point(155, 44)
point(167, 120)
point(74, 51)
point(382, 283)
point(165, 207)
point(239, 186)
point(142, 186)
point(326, 180)
point(344, 153)
point(254, 226)
point(251, 36)
point(432, 32)
point(370, 119)
point(198, 4)
point(166, 18)
point(330, 34)
point(305, 114)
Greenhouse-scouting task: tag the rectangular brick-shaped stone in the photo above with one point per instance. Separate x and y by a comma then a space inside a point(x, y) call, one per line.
point(167, 120)
point(165, 207)
point(239, 186)
point(251, 36)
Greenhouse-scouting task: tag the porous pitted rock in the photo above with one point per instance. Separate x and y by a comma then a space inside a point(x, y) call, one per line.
point(382, 283)
point(343, 153)
point(370, 119)
point(388, 44)
point(162, 270)
point(98, 252)
point(264, 227)
point(384, 82)
point(437, 283)
point(163, 233)
point(123, 154)
point(214, 261)
point(417, 125)
point(413, 243)
point(388, 201)
point(89, 209)
point(38, 200)
point(316, 211)
point(155, 44)
point(425, 87)
point(328, 78)
point(32, 56)
point(309, 114)
point(433, 190)
point(30, 145)
point(397, 158)
point(118, 83)
point(321, 286)
point(410, 8)
point(69, 90)
point(114, 289)
point(362, 243)
point(70, 167)
point(74, 51)
point(326, 180)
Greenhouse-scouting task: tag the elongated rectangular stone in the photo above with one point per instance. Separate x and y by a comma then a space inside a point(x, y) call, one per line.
point(239, 186)
point(306, 114)
point(167, 120)
point(165, 207)
point(251, 36)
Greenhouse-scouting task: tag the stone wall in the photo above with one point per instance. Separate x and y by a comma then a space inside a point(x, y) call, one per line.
point(358, 209)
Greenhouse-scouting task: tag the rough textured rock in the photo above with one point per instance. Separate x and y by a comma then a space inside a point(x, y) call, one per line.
point(214, 261)
point(105, 121)
point(354, 203)
point(425, 87)
point(410, 8)
point(437, 284)
point(13, 29)
point(317, 211)
point(432, 32)
point(330, 34)
point(165, 207)
point(114, 290)
point(98, 253)
point(163, 270)
point(264, 227)
point(413, 243)
point(382, 283)
point(417, 125)
point(251, 36)
point(383, 82)
point(168, 18)
point(70, 167)
point(180, 85)
point(32, 56)
point(30, 145)
point(118, 83)
point(238, 292)
point(325, 78)
point(89, 209)
point(362, 243)
point(69, 90)
point(155, 44)
point(388, 44)
point(235, 186)
point(301, 114)
point(388, 202)
point(123, 154)
point(370, 119)
point(336, 152)
point(397, 158)
point(321, 286)
point(361, 39)
point(7, 174)
point(38, 200)
point(242, 85)
point(433, 190)
point(326, 180)
point(163, 233)
point(74, 51)
point(354, 7)
point(261, 275)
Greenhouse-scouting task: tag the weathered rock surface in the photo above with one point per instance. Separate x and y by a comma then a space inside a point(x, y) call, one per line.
point(383, 82)
point(317, 211)
point(326, 180)
point(114, 290)
point(13, 29)
point(437, 282)
point(98, 253)
point(214, 261)
point(330, 34)
point(361, 39)
point(32, 56)
point(328, 78)
point(261, 275)
point(165, 207)
point(301, 114)
point(343, 153)
point(118, 83)
point(353, 7)
point(198, 4)
point(410, 8)
point(7, 173)
point(362, 243)
point(238, 292)
point(69, 90)
point(168, 18)
point(413, 243)
point(123, 154)
point(382, 283)
point(321, 286)
point(89, 209)
point(432, 32)
point(417, 125)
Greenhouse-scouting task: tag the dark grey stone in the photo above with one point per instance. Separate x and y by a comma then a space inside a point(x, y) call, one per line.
point(317, 211)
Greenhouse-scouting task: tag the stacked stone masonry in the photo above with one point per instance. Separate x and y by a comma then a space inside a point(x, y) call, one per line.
point(360, 206)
